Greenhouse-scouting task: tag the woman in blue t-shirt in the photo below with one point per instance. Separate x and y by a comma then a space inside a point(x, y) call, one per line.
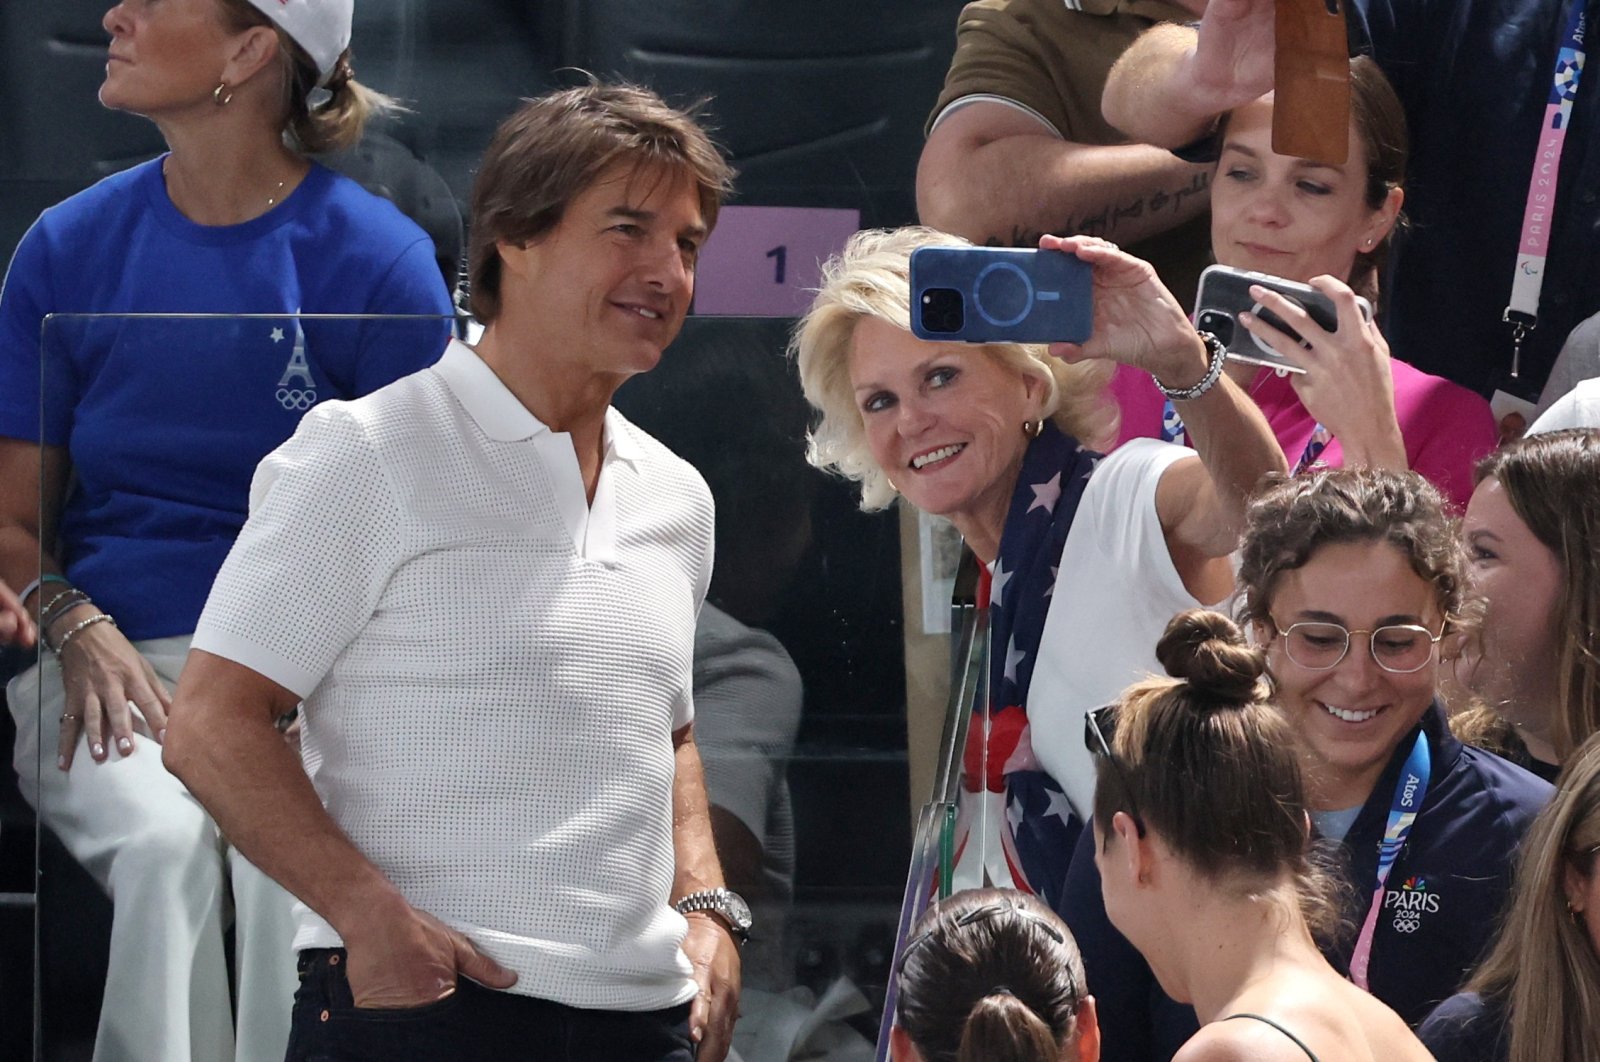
point(126, 457)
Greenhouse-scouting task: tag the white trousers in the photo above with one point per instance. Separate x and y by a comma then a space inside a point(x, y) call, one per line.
point(174, 884)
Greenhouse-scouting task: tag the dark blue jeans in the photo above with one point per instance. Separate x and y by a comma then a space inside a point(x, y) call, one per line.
point(475, 1024)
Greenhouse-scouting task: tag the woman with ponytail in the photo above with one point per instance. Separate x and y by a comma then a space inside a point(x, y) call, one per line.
point(993, 975)
point(157, 427)
point(1203, 828)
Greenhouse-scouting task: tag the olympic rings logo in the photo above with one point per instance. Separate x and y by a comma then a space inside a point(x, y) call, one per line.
point(1407, 922)
point(296, 399)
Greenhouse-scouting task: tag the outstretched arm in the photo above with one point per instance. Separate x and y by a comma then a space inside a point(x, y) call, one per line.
point(1201, 504)
point(1169, 87)
point(999, 176)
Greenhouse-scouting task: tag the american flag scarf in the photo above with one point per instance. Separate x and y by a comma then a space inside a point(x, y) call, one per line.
point(1038, 830)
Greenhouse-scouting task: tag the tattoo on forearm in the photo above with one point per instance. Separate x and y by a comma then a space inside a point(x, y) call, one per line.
point(1104, 222)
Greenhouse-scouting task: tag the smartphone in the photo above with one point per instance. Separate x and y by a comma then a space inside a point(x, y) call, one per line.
point(999, 294)
point(1225, 293)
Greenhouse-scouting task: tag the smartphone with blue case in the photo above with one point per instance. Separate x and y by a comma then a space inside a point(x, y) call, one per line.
point(1000, 294)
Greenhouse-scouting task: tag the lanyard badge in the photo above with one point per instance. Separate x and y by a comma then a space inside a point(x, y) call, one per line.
point(1409, 791)
point(1522, 313)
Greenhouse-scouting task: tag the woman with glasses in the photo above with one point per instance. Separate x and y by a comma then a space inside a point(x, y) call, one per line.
point(1202, 835)
point(1536, 998)
point(992, 975)
point(1351, 580)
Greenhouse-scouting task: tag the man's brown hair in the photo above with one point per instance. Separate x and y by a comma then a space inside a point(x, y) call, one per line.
point(555, 146)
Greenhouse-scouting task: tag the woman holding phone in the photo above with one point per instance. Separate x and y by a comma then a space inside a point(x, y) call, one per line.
point(1088, 557)
point(1327, 226)
point(1350, 579)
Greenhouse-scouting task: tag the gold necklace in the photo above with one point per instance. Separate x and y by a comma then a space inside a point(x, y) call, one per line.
point(272, 200)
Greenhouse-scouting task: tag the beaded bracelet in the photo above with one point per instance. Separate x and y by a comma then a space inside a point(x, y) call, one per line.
point(99, 617)
point(1208, 381)
point(55, 609)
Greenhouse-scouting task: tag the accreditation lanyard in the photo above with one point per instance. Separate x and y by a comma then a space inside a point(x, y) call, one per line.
point(1522, 313)
point(1409, 790)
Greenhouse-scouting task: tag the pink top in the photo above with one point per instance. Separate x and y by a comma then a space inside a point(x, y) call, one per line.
point(1445, 427)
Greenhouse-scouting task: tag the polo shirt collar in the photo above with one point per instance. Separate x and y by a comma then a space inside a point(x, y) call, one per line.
point(501, 416)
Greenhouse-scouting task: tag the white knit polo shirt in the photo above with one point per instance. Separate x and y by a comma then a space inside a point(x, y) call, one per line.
point(492, 669)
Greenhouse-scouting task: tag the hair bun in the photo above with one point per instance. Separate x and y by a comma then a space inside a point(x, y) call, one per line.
point(1208, 651)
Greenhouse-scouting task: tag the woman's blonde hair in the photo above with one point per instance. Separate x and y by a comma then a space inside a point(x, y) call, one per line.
point(1543, 966)
point(871, 278)
point(332, 125)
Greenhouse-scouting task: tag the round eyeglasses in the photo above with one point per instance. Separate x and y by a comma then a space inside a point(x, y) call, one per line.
point(1399, 648)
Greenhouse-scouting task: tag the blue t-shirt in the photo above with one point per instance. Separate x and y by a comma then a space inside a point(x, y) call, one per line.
point(1441, 903)
point(164, 420)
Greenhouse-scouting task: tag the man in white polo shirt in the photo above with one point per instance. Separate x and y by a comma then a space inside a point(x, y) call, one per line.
point(482, 582)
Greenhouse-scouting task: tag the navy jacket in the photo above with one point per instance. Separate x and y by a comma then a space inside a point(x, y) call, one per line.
point(1468, 1028)
point(1441, 904)
point(1474, 77)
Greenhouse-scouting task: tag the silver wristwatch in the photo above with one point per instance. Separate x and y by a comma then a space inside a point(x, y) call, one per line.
point(725, 904)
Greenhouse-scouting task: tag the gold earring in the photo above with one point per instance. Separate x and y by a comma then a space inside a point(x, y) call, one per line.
point(891, 483)
point(222, 94)
point(1033, 428)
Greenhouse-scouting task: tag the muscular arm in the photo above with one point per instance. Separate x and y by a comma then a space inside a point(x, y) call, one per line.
point(222, 744)
point(709, 944)
point(999, 176)
point(1169, 87)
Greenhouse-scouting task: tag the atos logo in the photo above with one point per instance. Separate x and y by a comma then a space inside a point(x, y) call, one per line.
point(1410, 792)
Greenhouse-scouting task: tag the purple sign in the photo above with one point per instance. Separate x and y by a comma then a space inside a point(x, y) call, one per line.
point(766, 261)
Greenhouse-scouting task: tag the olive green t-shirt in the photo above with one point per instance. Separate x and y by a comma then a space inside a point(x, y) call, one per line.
point(1050, 58)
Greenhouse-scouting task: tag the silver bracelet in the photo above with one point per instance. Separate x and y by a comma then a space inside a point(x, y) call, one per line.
point(1219, 354)
point(99, 617)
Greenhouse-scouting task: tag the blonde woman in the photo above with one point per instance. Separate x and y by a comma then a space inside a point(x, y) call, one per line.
point(1536, 998)
point(1089, 557)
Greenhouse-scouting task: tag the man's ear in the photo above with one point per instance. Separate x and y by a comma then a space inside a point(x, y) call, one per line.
point(1088, 1033)
point(254, 50)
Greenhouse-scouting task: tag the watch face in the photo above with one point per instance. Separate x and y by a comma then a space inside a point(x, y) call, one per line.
point(737, 909)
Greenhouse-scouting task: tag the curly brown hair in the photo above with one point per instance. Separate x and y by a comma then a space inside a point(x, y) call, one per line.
point(1292, 518)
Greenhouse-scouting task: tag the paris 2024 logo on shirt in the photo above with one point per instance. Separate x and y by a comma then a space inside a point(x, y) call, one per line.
point(297, 391)
point(1411, 902)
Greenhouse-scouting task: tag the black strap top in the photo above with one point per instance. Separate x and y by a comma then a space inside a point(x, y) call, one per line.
point(1297, 1041)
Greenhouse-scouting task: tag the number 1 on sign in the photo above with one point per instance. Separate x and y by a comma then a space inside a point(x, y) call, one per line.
point(780, 256)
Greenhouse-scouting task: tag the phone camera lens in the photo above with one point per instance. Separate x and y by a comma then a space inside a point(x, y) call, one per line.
point(942, 311)
point(1218, 324)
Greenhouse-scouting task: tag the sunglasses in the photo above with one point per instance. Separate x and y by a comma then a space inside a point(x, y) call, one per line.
point(1098, 727)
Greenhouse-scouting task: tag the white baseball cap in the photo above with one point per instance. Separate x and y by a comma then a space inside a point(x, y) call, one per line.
point(321, 27)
